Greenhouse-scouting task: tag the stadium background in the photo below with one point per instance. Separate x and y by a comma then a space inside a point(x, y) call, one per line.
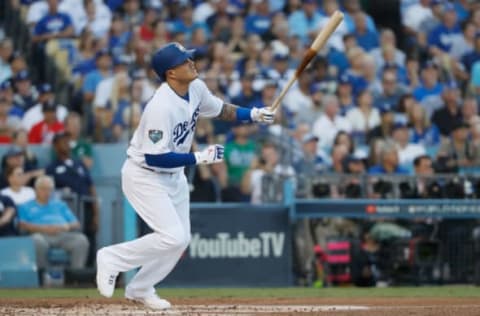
point(370, 176)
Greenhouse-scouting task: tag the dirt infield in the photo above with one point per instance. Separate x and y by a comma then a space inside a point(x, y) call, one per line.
point(245, 306)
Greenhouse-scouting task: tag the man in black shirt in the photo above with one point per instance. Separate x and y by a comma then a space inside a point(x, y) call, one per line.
point(449, 115)
point(7, 217)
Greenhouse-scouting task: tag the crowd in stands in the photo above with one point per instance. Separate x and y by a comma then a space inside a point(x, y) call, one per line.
point(379, 99)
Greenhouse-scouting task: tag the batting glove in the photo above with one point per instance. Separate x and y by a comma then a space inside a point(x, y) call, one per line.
point(262, 115)
point(211, 154)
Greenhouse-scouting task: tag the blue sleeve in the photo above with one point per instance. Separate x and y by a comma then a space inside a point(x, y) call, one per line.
point(170, 160)
point(89, 85)
point(67, 213)
point(39, 28)
point(23, 213)
point(243, 115)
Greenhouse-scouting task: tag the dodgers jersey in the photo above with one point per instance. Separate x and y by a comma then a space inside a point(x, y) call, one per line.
point(168, 122)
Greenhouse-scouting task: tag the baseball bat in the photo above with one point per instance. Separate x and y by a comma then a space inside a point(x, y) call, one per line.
point(312, 51)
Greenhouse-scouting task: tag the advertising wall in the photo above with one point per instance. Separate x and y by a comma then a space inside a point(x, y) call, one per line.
point(236, 246)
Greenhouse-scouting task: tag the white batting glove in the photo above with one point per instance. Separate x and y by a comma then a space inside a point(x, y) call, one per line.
point(211, 154)
point(262, 115)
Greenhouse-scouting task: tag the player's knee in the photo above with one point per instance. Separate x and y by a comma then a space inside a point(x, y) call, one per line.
point(179, 240)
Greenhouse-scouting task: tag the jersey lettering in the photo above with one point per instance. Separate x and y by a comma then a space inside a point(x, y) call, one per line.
point(180, 133)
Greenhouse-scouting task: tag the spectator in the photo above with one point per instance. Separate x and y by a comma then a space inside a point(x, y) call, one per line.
point(281, 72)
point(17, 190)
point(387, 120)
point(422, 131)
point(470, 111)
point(322, 80)
point(338, 154)
point(52, 224)
point(15, 157)
point(446, 117)
point(352, 7)
point(345, 94)
point(423, 187)
point(464, 44)
point(366, 39)
point(259, 20)
point(356, 71)
point(83, 59)
point(34, 115)
point(203, 186)
point(26, 95)
point(6, 51)
point(330, 123)
point(298, 99)
point(238, 155)
point(120, 36)
point(387, 39)
point(94, 16)
point(457, 151)
point(132, 15)
point(391, 90)
point(443, 36)
point(7, 217)
point(336, 39)
point(311, 163)
point(8, 123)
point(81, 147)
point(364, 117)
point(470, 58)
point(53, 25)
point(247, 95)
point(304, 22)
point(72, 177)
point(430, 90)
point(267, 164)
point(103, 62)
point(344, 138)
point(389, 161)
point(20, 140)
point(407, 151)
point(370, 74)
point(415, 15)
point(43, 131)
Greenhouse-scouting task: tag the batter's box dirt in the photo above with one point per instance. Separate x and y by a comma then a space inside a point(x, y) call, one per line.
point(254, 306)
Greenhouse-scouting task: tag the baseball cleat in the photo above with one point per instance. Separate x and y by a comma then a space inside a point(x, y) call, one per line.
point(105, 279)
point(152, 301)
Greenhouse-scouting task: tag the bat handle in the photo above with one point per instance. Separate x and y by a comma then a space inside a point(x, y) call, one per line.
point(280, 97)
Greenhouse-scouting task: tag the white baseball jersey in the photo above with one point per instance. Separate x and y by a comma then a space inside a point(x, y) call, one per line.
point(168, 122)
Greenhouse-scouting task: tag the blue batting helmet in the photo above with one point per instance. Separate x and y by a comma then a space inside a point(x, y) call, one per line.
point(170, 56)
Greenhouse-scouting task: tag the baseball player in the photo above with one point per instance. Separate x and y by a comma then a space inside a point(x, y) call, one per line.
point(152, 176)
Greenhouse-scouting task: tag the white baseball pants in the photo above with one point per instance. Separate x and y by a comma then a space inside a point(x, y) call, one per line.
point(162, 201)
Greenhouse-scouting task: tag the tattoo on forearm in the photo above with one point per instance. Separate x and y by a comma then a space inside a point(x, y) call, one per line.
point(228, 113)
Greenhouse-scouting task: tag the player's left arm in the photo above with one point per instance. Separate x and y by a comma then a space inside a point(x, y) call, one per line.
point(231, 112)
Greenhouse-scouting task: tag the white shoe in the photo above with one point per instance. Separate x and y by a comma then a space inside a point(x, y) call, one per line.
point(105, 278)
point(152, 301)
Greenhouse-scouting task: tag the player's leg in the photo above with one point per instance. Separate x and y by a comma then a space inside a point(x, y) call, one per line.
point(155, 271)
point(147, 193)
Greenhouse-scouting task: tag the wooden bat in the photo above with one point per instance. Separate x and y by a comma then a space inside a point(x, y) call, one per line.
point(317, 44)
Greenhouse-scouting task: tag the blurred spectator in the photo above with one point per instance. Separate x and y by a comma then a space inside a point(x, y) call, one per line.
point(415, 15)
point(203, 187)
point(20, 140)
point(366, 38)
point(52, 224)
point(8, 122)
point(344, 138)
point(387, 120)
point(338, 154)
point(17, 63)
point(336, 39)
point(267, 164)
point(457, 151)
point(6, 51)
point(322, 80)
point(330, 123)
point(387, 39)
point(81, 147)
point(407, 151)
point(103, 60)
point(422, 131)
point(430, 91)
point(7, 217)
point(423, 186)
point(356, 71)
point(34, 115)
point(238, 155)
point(470, 58)
point(446, 117)
point(258, 21)
point(132, 15)
point(17, 190)
point(247, 96)
point(92, 15)
point(444, 35)
point(370, 74)
point(43, 131)
point(352, 7)
point(465, 44)
point(345, 94)
point(470, 111)
point(53, 25)
point(311, 163)
point(298, 99)
point(26, 95)
point(145, 31)
point(391, 89)
point(304, 22)
point(364, 117)
point(389, 161)
point(72, 177)
point(83, 56)
point(120, 36)
point(15, 157)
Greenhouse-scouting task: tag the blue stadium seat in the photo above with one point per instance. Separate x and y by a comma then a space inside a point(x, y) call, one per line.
point(18, 268)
